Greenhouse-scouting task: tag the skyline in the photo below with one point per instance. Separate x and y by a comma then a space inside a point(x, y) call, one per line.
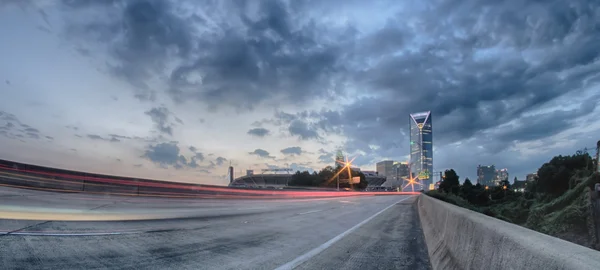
point(175, 90)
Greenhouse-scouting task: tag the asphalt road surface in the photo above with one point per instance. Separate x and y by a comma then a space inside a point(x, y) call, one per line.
point(44, 230)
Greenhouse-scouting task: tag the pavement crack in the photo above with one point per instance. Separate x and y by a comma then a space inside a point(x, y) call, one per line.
point(25, 228)
point(108, 204)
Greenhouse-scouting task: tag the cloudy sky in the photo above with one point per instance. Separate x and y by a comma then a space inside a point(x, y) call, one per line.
point(177, 90)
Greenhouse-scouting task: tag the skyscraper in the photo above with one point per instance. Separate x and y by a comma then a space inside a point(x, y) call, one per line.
point(501, 175)
point(421, 147)
point(486, 175)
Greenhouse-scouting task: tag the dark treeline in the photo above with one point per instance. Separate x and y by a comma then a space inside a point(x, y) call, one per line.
point(558, 202)
point(325, 178)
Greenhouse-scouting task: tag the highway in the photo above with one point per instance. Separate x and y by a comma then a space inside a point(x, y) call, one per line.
point(49, 230)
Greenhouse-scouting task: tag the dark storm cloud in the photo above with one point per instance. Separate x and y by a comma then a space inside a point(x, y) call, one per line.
point(161, 117)
point(120, 137)
point(521, 56)
point(259, 132)
point(303, 130)
point(476, 65)
point(165, 155)
point(261, 153)
point(220, 161)
point(141, 36)
point(546, 124)
point(242, 61)
point(113, 138)
point(199, 156)
point(326, 158)
point(294, 150)
point(9, 128)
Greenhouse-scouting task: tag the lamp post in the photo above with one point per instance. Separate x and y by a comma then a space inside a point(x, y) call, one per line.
point(338, 182)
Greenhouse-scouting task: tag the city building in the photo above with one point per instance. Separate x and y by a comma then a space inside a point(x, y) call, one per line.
point(531, 177)
point(373, 179)
point(486, 175)
point(249, 172)
point(385, 168)
point(421, 147)
point(501, 175)
point(519, 185)
point(401, 169)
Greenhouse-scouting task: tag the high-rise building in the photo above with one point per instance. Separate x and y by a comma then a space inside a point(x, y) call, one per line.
point(486, 175)
point(501, 175)
point(385, 168)
point(531, 177)
point(421, 147)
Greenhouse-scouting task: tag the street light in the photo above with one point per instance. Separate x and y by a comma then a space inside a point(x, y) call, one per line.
point(347, 165)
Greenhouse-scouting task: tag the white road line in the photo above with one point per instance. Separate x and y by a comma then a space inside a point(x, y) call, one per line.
point(310, 212)
point(308, 255)
point(65, 234)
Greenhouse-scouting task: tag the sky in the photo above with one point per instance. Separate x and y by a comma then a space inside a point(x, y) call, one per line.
point(179, 90)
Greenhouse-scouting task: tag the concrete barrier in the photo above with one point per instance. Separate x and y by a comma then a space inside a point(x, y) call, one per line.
point(459, 238)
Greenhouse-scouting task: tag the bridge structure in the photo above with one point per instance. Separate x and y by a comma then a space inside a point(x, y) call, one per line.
point(143, 223)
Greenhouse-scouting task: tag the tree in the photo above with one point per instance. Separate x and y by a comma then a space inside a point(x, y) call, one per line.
point(468, 183)
point(467, 189)
point(515, 180)
point(302, 179)
point(450, 182)
point(554, 176)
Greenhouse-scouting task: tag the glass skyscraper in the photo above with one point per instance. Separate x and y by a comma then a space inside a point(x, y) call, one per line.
point(421, 148)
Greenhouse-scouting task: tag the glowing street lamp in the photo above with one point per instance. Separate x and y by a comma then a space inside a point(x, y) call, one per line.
point(346, 165)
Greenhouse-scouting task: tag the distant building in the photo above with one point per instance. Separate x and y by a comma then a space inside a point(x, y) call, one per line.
point(249, 172)
point(501, 175)
point(373, 179)
point(421, 147)
point(486, 175)
point(519, 185)
point(401, 169)
point(385, 168)
point(531, 177)
point(369, 173)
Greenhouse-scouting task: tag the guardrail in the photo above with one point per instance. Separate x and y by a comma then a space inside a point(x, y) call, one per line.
point(458, 238)
point(49, 179)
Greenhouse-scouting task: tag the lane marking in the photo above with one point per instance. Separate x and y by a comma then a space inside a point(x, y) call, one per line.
point(310, 212)
point(67, 234)
point(308, 255)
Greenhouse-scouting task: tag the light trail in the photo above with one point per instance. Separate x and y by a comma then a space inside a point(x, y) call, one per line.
point(219, 192)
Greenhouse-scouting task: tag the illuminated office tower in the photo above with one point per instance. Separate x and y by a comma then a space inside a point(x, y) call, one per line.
point(421, 147)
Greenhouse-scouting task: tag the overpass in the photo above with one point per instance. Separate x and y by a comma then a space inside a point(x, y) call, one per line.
point(211, 227)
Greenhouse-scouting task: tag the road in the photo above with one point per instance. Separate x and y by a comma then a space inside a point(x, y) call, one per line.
point(44, 230)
